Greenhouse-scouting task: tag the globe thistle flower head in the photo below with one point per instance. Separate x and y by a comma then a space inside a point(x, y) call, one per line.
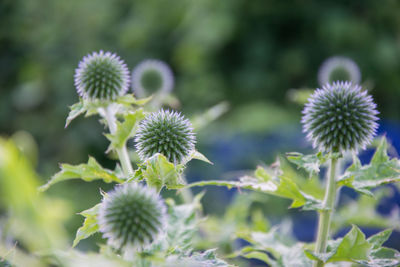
point(166, 132)
point(152, 76)
point(132, 216)
point(340, 117)
point(101, 75)
point(339, 69)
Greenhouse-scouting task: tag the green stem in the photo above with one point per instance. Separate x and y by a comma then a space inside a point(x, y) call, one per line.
point(326, 214)
point(122, 152)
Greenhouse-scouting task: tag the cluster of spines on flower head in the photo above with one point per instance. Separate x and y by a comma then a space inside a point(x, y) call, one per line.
point(101, 75)
point(132, 216)
point(160, 68)
point(340, 117)
point(340, 64)
point(166, 132)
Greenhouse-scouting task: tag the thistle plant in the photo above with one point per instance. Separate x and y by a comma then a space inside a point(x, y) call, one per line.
point(132, 216)
point(338, 118)
point(339, 69)
point(166, 132)
point(141, 230)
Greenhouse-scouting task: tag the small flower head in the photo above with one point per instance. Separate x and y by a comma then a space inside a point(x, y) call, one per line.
point(340, 117)
point(165, 132)
point(152, 76)
point(339, 69)
point(132, 216)
point(101, 76)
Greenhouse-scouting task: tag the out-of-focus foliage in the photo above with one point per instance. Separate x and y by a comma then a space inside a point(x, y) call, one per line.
point(31, 220)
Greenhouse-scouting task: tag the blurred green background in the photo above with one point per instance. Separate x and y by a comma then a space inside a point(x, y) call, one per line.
point(249, 53)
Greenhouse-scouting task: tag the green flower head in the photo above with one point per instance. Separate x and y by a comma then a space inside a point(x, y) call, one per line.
point(101, 76)
point(165, 132)
point(132, 216)
point(340, 117)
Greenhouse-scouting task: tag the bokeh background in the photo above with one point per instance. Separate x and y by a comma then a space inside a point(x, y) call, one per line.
point(251, 54)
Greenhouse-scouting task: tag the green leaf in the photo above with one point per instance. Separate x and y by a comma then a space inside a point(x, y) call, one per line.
point(197, 155)
point(87, 172)
point(125, 130)
point(381, 256)
point(310, 163)
point(381, 170)
point(352, 247)
point(76, 110)
point(159, 172)
point(182, 224)
point(129, 99)
point(90, 225)
point(263, 181)
point(207, 258)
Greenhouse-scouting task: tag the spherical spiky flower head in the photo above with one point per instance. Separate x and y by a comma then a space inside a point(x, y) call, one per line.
point(339, 69)
point(165, 132)
point(101, 76)
point(132, 216)
point(340, 117)
point(152, 76)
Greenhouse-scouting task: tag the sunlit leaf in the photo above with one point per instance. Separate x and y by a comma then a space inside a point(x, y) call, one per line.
point(90, 225)
point(381, 170)
point(159, 172)
point(197, 155)
point(87, 171)
point(269, 183)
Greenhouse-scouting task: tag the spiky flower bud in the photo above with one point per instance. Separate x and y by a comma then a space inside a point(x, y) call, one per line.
point(340, 117)
point(165, 132)
point(339, 69)
point(152, 76)
point(132, 216)
point(101, 76)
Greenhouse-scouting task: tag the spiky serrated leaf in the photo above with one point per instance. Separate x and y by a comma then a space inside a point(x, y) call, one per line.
point(87, 171)
point(263, 181)
point(90, 225)
point(182, 224)
point(352, 247)
point(125, 130)
point(310, 163)
point(159, 172)
point(381, 170)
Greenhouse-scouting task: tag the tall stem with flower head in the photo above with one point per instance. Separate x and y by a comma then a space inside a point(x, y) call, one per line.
point(337, 118)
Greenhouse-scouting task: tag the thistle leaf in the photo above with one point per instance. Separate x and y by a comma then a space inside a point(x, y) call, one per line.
point(159, 172)
point(90, 225)
point(381, 170)
point(310, 163)
point(87, 171)
point(263, 181)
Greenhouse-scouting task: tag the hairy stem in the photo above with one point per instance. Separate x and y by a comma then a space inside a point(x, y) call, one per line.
point(122, 152)
point(326, 214)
